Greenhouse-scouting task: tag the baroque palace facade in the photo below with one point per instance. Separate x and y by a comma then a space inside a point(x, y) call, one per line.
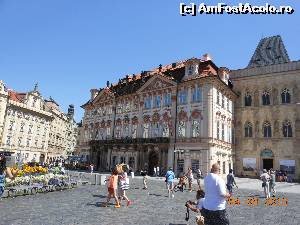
point(182, 115)
point(178, 115)
point(33, 129)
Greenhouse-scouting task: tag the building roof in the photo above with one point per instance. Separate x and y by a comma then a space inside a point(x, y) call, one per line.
point(15, 96)
point(269, 51)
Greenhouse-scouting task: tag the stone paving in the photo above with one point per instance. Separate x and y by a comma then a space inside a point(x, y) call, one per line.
point(83, 206)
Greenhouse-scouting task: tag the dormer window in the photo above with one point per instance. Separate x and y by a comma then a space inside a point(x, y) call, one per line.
point(191, 67)
point(190, 70)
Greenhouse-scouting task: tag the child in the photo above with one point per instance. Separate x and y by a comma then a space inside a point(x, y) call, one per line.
point(124, 185)
point(199, 205)
point(112, 189)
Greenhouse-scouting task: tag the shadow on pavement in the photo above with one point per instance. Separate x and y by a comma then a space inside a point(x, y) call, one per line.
point(99, 196)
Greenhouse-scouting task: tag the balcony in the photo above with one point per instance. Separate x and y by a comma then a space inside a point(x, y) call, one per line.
point(130, 141)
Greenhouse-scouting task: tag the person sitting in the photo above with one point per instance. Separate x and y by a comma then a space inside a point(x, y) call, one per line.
point(182, 183)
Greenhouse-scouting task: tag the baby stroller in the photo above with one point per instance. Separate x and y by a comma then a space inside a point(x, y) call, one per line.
point(183, 180)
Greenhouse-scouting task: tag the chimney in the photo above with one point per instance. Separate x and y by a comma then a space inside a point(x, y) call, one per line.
point(223, 73)
point(206, 57)
point(94, 93)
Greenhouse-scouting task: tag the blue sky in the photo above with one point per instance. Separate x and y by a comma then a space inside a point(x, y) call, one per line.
point(71, 46)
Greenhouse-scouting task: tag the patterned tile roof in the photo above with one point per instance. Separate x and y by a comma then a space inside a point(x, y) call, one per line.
point(269, 51)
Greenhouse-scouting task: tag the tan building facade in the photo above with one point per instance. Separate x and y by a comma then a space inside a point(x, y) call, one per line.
point(178, 115)
point(267, 112)
point(26, 122)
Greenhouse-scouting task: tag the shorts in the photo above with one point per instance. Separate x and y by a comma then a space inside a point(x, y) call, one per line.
point(111, 191)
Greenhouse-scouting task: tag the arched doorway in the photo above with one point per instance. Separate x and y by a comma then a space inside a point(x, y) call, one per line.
point(153, 161)
point(267, 159)
point(42, 158)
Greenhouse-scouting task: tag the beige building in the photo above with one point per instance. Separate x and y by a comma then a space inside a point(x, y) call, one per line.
point(26, 123)
point(267, 112)
point(177, 115)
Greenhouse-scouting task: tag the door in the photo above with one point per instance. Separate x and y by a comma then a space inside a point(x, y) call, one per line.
point(267, 164)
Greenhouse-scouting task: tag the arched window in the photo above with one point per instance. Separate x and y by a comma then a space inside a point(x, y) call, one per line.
point(248, 99)
point(287, 129)
point(266, 98)
point(285, 96)
point(248, 129)
point(267, 129)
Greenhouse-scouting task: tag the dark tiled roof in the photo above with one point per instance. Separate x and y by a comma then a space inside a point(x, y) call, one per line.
point(269, 51)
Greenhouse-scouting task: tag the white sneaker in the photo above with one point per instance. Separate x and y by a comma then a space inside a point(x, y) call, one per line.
point(173, 196)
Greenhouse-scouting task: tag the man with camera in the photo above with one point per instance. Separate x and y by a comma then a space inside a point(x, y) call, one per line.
point(199, 205)
point(214, 204)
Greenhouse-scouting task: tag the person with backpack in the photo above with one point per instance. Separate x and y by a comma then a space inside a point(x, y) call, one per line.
point(230, 181)
point(170, 176)
point(112, 187)
point(265, 183)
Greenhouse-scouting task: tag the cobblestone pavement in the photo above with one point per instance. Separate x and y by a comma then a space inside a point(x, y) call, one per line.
point(83, 206)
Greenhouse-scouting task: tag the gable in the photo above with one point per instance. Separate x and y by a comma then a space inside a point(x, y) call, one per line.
point(157, 82)
point(103, 96)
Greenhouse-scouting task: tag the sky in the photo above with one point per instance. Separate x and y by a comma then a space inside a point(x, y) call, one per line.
point(72, 46)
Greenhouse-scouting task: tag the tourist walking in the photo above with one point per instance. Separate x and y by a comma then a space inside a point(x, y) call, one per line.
point(272, 182)
point(190, 177)
point(198, 176)
point(265, 183)
point(214, 204)
point(4, 171)
point(170, 176)
point(145, 179)
point(230, 181)
point(112, 188)
point(124, 186)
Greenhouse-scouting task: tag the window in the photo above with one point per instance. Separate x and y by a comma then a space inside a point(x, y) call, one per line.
point(218, 130)
point(287, 129)
point(146, 130)
point(196, 128)
point(248, 129)
point(223, 101)
point(34, 102)
point(224, 168)
point(190, 70)
point(218, 97)
point(118, 132)
point(134, 131)
point(22, 127)
point(30, 129)
point(195, 165)
point(19, 141)
point(182, 129)
point(131, 162)
point(11, 125)
point(8, 140)
point(147, 103)
point(248, 99)
point(156, 130)
point(267, 129)
point(229, 134)
point(28, 142)
point(35, 142)
point(126, 131)
point(167, 100)
point(119, 108)
point(285, 96)
point(157, 101)
point(196, 95)
point(223, 131)
point(182, 97)
point(165, 131)
point(108, 131)
point(127, 107)
point(266, 98)
point(122, 159)
point(114, 160)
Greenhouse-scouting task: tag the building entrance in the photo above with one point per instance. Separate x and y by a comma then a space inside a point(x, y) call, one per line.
point(267, 164)
point(153, 162)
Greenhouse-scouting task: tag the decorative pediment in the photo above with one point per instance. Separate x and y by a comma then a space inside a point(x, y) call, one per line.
point(157, 82)
point(103, 96)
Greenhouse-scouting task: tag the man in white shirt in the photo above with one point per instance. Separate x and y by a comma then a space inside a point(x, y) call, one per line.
point(215, 198)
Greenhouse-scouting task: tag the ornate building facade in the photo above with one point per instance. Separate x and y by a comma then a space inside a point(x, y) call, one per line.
point(267, 111)
point(26, 124)
point(178, 115)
